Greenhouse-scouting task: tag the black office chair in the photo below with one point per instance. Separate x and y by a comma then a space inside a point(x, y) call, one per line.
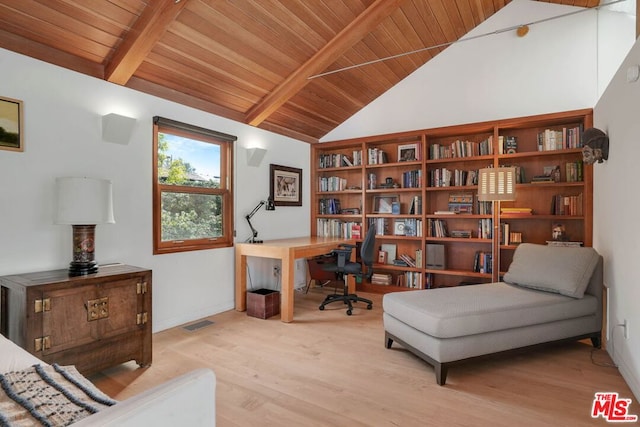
point(342, 267)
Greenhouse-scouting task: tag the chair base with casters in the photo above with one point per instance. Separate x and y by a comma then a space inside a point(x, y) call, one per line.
point(347, 299)
point(342, 267)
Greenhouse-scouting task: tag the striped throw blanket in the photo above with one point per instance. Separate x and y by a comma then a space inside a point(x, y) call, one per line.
point(45, 395)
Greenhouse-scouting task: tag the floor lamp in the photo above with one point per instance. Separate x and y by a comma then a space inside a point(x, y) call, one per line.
point(496, 185)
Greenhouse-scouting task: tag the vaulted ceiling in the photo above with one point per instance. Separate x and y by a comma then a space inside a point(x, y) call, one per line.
point(250, 61)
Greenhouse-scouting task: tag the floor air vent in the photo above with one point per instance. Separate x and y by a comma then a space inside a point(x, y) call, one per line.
point(198, 325)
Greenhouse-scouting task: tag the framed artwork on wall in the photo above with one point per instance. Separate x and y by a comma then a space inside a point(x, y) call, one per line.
point(285, 185)
point(11, 125)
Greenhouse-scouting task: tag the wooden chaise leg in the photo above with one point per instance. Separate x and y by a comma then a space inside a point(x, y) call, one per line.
point(389, 342)
point(596, 340)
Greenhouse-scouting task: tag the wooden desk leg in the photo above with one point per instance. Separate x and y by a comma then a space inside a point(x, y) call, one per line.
point(286, 302)
point(241, 281)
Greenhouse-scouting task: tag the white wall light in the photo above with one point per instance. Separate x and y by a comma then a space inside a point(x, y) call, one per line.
point(117, 128)
point(255, 156)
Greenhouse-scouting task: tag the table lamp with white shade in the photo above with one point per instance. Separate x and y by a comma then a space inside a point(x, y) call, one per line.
point(83, 203)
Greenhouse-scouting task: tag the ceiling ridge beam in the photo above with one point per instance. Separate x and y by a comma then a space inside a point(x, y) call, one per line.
point(362, 25)
point(141, 38)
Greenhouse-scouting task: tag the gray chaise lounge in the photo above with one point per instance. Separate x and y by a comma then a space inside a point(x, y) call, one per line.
point(550, 294)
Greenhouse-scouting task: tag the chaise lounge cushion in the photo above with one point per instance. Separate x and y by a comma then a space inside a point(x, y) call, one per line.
point(477, 309)
point(566, 271)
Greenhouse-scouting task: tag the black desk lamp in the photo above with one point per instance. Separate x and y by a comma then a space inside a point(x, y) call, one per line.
point(254, 233)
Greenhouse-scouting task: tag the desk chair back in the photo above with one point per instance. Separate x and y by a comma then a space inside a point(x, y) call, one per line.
point(367, 251)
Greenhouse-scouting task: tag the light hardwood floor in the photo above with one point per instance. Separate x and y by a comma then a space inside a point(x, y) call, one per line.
point(329, 369)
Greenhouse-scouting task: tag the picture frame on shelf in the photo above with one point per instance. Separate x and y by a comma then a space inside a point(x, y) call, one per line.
point(384, 204)
point(11, 124)
point(408, 152)
point(285, 185)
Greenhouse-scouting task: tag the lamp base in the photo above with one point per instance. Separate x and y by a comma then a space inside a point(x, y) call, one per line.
point(83, 251)
point(82, 268)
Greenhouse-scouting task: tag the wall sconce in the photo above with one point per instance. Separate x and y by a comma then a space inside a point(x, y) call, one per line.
point(255, 156)
point(254, 233)
point(117, 128)
point(83, 203)
point(595, 146)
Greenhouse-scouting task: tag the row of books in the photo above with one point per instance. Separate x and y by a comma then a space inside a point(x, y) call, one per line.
point(483, 262)
point(574, 171)
point(412, 179)
point(376, 156)
point(329, 206)
point(560, 139)
point(410, 279)
point(337, 228)
point(411, 261)
point(415, 208)
point(337, 160)
point(443, 177)
point(461, 203)
point(567, 205)
point(437, 228)
point(507, 144)
point(508, 237)
point(485, 228)
point(460, 148)
point(332, 183)
point(381, 279)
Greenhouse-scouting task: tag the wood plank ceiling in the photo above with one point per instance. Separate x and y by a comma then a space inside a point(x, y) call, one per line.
point(249, 61)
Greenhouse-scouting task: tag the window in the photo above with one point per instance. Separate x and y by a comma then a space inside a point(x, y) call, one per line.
point(192, 187)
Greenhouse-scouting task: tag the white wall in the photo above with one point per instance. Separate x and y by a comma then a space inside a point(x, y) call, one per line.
point(63, 112)
point(498, 76)
point(616, 208)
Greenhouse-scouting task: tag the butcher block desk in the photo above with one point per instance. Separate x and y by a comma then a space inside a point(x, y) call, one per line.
point(286, 250)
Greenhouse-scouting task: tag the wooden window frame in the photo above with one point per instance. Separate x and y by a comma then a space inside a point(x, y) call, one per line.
point(225, 142)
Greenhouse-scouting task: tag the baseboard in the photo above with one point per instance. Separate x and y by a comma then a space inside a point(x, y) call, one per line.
point(194, 315)
point(619, 352)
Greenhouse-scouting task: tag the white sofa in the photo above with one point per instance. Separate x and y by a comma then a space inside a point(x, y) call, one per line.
point(187, 400)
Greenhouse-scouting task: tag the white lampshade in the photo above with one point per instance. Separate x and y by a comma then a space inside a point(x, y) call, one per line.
point(496, 184)
point(84, 201)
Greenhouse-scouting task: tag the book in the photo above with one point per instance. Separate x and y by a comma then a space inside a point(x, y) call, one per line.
point(461, 202)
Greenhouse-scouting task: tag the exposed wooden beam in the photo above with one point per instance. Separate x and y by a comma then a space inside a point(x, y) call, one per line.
point(345, 39)
point(145, 33)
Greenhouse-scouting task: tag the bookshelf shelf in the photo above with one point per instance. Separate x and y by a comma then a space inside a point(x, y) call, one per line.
point(376, 159)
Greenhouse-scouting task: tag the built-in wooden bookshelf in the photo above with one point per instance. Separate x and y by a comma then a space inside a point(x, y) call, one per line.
point(362, 182)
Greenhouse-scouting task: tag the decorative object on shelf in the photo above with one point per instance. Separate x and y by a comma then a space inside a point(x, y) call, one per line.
point(83, 203)
point(384, 204)
point(595, 146)
point(558, 233)
point(388, 183)
point(254, 233)
point(398, 227)
point(408, 152)
point(12, 124)
point(285, 185)
point(496, 185)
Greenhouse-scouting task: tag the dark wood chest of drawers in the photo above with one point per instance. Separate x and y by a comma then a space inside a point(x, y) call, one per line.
point(93, 322)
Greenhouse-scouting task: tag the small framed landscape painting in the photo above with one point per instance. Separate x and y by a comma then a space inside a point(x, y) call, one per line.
point(285, 185)
point(11, 124)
